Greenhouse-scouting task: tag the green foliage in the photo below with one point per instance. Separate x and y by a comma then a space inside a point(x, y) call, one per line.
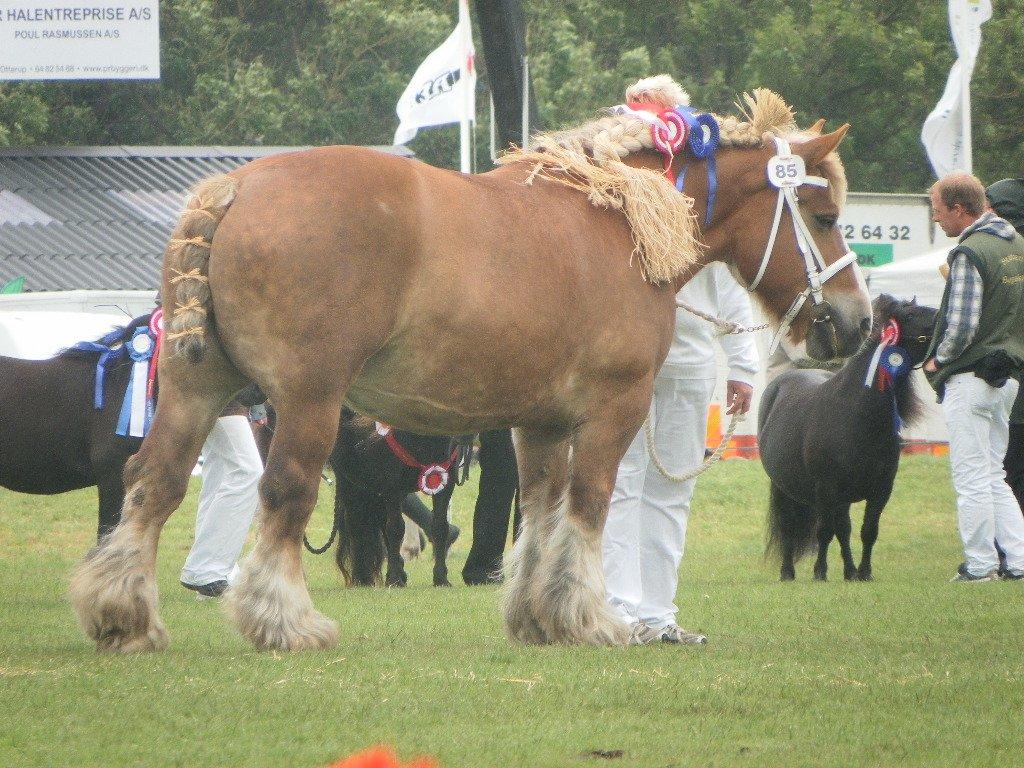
point(331, 71)
point(906, 670)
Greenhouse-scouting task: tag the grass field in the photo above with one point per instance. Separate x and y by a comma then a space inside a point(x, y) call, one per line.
point(908, 670)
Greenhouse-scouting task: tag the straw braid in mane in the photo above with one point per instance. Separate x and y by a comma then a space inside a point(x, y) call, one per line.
point(590, 158)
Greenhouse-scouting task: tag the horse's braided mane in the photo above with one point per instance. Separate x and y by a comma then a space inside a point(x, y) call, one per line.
point(114, 337)
point(590, 158)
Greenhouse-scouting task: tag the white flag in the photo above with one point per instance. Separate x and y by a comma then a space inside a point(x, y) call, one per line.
point(943, 132)
point(443, 90)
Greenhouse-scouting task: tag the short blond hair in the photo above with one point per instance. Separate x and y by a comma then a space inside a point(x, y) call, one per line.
point(963, 189)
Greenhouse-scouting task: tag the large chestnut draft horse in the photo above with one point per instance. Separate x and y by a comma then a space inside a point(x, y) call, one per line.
point(539, 296)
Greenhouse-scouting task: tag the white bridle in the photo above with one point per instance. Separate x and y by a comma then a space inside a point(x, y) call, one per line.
point(786, 172)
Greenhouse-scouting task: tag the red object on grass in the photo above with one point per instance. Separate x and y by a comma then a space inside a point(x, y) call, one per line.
point(381, 757)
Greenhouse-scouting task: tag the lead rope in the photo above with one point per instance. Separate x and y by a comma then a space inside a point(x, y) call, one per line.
point(726, 327)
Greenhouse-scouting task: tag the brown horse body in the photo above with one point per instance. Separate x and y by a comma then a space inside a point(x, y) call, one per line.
point(441, 304)
point(451, 276)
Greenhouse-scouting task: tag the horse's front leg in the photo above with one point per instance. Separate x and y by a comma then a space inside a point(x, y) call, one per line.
point(569, 597)
point(543, 477)
point(869, 531)
point(394, 534)
point(843, 529)
point(441, 533)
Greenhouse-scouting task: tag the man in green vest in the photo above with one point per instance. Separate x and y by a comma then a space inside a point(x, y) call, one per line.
point(975, 364)
point(1006, 199)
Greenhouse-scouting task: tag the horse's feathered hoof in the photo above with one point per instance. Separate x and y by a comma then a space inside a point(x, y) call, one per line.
point(522, 627)
point(115, 599)
point(274, 613)
point(155, 639)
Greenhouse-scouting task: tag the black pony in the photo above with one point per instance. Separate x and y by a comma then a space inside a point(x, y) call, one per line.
point(373, 484)
point(54, 439)
point(828, 440)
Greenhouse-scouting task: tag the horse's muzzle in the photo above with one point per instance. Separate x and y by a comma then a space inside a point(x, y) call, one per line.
point(831, 335)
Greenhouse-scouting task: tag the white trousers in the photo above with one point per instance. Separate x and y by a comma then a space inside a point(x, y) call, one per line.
point(646, 528)
point(987, 511)
point(231, 473)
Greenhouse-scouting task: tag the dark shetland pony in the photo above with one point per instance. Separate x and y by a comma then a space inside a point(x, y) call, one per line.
point(827, 440)
point(53, 439)
point(372, 483)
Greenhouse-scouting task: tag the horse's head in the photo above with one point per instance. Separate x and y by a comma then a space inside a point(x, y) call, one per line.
point(775, 197)
point(916, 324)
point(780, 192)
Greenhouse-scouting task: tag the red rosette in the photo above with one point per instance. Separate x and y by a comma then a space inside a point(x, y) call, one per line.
point(433, 479)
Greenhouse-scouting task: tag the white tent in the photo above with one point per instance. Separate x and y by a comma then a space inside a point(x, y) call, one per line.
point(37, 335)
point(918, 276)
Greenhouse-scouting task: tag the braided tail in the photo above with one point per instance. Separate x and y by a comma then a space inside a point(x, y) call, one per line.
point(187, 262)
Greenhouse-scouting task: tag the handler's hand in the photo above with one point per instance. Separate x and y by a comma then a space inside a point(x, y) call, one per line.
point(931, 366)
point(738, 396)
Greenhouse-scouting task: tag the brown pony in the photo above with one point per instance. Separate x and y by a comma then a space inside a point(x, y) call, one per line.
point(539, 296)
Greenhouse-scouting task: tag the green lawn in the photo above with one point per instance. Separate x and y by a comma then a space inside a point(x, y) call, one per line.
point(907, 670)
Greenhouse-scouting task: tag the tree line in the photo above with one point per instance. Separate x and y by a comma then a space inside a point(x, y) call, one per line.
point(311, 72)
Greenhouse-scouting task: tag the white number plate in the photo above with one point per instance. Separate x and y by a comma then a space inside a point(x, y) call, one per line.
point(786, 171)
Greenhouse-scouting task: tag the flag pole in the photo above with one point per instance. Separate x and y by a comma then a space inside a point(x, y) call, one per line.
point(464, 144)
point(968, 62)
point(526, 102)
point(469, 97)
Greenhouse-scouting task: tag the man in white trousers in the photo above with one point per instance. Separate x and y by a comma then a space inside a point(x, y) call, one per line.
point(231, 473)
point(646, 528)
point(975, 365)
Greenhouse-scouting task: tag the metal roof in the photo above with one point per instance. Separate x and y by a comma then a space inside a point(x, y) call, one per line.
point(99, 217)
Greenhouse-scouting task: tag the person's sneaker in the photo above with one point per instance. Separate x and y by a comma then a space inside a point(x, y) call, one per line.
point(643, 634)
point(962, 574)
point(209, 591)
point(673, 633)
point(1009, 574)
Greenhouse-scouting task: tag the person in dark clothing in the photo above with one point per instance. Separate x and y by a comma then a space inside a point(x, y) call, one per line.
point(499, 480)
point(1006, 199)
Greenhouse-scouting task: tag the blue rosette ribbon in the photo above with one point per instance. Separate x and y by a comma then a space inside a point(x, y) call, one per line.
point(702, 140)
point(137, 407)
point(895, 361)
point(108, 354)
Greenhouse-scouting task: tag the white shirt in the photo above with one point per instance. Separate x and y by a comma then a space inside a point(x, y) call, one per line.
point(692, 355)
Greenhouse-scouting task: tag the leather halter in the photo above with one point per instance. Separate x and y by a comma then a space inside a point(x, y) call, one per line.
point(818, 272)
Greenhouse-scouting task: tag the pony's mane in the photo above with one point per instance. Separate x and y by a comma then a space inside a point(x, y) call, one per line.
point(113, 338)
point(590, 158)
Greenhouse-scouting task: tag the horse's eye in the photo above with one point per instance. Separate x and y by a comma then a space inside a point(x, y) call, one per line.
point(826, 221)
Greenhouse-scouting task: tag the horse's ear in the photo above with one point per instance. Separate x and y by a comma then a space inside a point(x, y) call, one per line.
point(815, 130)
point(814, 150)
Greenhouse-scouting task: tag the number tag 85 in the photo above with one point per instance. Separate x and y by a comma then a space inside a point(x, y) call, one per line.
point(786, 171)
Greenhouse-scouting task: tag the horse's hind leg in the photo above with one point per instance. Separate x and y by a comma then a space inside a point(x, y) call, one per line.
point(543, 480)
point(113, 589)
point(826, 531)
point(111, 493)
point(270, 604)
point(785, 516)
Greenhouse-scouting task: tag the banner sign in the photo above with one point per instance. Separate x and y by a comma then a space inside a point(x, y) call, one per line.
point(97, 40)
point(881, 228)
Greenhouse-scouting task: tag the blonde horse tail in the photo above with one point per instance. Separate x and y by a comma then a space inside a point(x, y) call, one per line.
point(187, 262)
